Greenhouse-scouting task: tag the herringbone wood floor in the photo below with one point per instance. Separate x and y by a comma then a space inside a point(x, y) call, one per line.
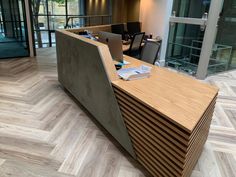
point(44, 133)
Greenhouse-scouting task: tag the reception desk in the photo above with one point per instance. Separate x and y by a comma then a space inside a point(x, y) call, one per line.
point(162, 121)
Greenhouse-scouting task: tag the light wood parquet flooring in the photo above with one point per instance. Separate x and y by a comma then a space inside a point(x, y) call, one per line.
point(45, 133)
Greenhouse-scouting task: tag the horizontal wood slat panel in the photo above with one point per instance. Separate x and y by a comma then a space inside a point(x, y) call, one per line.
point(166, 123)
point(156, 154)
point(162, 147)
point(170, 136)
point(150, 124)
point(154, 140)
point(155, 147)
point(153, 132)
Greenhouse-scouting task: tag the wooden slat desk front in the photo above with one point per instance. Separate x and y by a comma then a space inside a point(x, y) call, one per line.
point(168, 117)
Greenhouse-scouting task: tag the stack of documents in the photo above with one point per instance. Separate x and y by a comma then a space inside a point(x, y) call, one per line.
point(135, 73)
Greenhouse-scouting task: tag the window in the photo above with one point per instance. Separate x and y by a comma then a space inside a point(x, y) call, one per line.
point(49, 15)
point(193, 9)
point(13, 29)
point(234, 4)
point(74, 7)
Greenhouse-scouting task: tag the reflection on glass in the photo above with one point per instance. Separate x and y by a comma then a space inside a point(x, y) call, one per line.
point(191, 8)
point(73, 7)
point(57, 22)
point(184, 47)
point(234, 4)
point(39, 7)
point(13, 32)
point(224, 51)
point(76, 22)
point(42, 22)
point(220, 58)
point(56, 7)
point(43, 40)
point(53, 37)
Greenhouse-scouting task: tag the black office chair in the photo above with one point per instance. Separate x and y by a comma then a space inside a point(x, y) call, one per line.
point(135, 45)
point(133, 27)
point(118, 29)
point(150, 51)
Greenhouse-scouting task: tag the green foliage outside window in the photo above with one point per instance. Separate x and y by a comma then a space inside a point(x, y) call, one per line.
point(35, 8)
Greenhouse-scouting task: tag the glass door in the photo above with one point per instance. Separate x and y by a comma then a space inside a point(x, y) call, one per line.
point(192, 28)
point(13, 29)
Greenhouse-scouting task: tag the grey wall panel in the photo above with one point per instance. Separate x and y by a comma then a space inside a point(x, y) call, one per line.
point(81, 71)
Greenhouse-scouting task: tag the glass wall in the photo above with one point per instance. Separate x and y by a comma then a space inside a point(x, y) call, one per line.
point(49, 15)
point(185, 40)
point(13, 29)
point(224, 50)
point(184, 47)
point(191, 8)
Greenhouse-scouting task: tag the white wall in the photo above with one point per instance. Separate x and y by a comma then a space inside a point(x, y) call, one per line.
point(154, 15)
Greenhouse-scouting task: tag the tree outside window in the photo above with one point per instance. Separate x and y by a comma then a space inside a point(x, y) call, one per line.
point(40, 10)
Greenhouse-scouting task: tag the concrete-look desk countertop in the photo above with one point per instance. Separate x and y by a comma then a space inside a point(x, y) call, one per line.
point(162, 121)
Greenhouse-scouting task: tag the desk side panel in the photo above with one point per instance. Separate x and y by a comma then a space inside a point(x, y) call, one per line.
point(82, 73)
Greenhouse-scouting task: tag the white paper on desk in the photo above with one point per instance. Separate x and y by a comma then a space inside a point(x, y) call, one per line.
point(126, 62)
point(134, 73)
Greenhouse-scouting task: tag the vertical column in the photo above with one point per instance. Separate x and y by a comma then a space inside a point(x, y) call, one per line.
point(29, 27)
point(82, 7)
point(165, 31)
point(209, 38)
